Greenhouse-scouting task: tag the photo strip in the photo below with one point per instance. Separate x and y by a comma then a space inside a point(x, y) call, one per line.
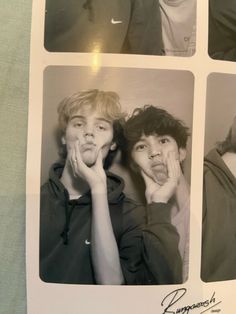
point(141, 133)
point(118, 190)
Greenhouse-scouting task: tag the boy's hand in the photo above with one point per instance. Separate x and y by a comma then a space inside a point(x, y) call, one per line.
point(162, 193)
point(95, 175)
point(151, 186)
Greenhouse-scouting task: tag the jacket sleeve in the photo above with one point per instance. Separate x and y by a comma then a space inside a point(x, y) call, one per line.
point(60, 16)
point(149, 247)
point(161, 241)
point(144, 34)
point(218, 229)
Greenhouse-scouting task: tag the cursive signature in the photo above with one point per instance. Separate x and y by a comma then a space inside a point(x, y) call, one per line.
point(173, 297)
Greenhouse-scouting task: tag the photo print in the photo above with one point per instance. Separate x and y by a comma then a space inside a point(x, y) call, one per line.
point(115, 176)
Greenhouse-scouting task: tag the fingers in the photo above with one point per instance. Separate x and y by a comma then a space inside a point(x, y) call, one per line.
point(173, 166)
point(99, 161)
point(78, 157)
point(75, 158)
point(147, 179)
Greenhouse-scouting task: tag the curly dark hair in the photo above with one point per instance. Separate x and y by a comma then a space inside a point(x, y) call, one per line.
point(153, 120)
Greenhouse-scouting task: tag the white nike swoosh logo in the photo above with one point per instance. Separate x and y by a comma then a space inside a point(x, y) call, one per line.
point(115, 22)
point(87, 242)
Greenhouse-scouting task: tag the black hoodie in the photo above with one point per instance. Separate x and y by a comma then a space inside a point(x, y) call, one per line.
point(148, 250)
point(114, 26)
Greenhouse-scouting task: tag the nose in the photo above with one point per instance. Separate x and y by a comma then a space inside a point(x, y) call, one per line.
point(154, 154)
point(155, 151)
point(88, 131)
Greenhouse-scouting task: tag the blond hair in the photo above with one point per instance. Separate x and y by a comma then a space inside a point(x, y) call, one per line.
point(106, 102)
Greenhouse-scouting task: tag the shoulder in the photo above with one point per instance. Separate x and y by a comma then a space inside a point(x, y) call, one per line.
point(134, 213)
point(130, 205)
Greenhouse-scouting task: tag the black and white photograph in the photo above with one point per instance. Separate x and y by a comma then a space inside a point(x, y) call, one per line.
point(222, 30)
point(144, 27)
point(118, 157)
point(115, 176)
point(219, 180)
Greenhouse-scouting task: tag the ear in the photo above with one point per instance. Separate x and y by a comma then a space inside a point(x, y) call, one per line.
point(63, 140)
point(113, 146)
point(182, 154)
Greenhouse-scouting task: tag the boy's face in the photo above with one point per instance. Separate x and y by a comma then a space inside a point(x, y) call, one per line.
point(93, 131)
point(150, 154)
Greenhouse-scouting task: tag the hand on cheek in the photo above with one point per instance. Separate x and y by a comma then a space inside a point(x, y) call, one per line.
point(163, 191)
point(173, 166)
point(95, 175)
point(151, 186)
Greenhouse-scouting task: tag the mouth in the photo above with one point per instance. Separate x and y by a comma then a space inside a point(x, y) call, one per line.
point(87, 146)
point(157, 165)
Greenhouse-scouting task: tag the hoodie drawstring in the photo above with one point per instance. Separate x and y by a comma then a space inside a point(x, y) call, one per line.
point(68, 212)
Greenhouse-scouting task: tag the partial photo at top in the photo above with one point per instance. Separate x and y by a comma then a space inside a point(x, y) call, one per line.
point(145, 27)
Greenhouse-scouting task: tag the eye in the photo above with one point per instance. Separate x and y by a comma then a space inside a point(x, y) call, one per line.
point(164, 140)
point(101, 127)
point(78, 124)
point(140, 147)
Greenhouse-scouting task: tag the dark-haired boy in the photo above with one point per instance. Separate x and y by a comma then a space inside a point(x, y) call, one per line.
point(157, 148)
point(90, 233)
point(219, 211)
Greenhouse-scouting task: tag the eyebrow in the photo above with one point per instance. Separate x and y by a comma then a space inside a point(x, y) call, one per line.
point(77, 117)
point(141, 140)
point(84, 118)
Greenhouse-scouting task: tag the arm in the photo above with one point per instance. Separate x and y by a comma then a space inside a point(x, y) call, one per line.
point(215, 230)
point(105, 254)
point(60, 17)
point(161, 241)
point(144, 34)
point(218, 229)
point(159, 227)
point(149, 250)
